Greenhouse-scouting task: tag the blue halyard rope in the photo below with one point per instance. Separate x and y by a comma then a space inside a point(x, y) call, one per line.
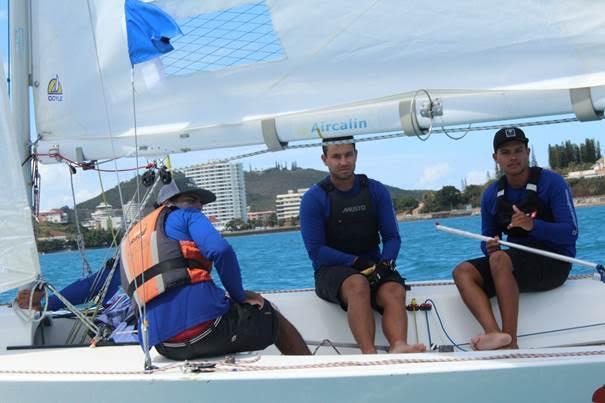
point(458, 346)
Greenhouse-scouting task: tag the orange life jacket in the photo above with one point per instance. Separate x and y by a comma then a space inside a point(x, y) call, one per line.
point(153, 263)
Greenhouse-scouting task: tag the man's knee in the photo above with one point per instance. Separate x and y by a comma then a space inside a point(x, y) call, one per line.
point(355, 286)
point(500, 264)
point(499, 258)
point(390, 292)
point(465, 273)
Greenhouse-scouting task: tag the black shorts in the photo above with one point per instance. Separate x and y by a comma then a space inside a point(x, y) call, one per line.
point(243, 328)
point(329, 279)
point(532, 272)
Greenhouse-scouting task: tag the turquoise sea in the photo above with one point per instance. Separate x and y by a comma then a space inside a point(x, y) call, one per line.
point(279, 260)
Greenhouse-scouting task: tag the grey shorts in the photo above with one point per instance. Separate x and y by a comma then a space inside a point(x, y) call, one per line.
point(329, 279)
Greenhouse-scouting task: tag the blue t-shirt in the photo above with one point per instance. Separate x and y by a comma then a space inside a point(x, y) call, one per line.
point(181, 308)
point(559, 236)
point(314, 214)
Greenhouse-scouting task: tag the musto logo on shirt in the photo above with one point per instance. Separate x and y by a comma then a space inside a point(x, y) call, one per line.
point(55, 90)
point(354, 209)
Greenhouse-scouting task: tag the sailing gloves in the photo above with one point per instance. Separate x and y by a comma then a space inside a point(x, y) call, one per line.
point(382, 270)
point(361, 263)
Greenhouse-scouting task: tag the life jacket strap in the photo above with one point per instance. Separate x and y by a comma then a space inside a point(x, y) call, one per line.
point(327, 185)
point(178, 268)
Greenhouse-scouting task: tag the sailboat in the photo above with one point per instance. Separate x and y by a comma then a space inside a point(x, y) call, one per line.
point(367, 68)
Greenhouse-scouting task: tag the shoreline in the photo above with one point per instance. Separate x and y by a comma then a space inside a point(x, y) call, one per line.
point(579, 202)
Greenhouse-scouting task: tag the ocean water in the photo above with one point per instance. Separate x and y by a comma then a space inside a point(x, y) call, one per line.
point(279, 260)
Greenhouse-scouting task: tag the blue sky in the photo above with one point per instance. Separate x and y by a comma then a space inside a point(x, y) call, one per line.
point(404, 162)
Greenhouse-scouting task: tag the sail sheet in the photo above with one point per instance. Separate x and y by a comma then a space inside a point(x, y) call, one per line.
point(19, 263)
point(331, 67)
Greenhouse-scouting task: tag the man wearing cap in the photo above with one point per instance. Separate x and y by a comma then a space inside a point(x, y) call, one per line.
point(533, 207)
point(343, 219)
point(167, 261)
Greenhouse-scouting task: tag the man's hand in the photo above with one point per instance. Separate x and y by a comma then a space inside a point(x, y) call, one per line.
point(361, 263)
point(382, 269)
point(492, 245)
point(254, 298)
point(521, 219)
point(23, 299)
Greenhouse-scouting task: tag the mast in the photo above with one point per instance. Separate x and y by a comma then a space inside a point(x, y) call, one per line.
point(20, 75)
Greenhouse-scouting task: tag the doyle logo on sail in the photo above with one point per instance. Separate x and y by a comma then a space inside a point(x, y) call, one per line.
point(340, 125)
point(55, 89)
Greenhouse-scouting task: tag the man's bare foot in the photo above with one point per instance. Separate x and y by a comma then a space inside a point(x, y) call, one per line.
point(491, 341)
point(402, 348)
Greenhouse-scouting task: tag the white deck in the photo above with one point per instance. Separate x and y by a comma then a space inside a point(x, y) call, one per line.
point(566, 374)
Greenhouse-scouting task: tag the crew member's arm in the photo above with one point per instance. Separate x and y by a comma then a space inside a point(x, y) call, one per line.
point(387, 223)
point(216, 249)
point(78, 292)
point(489, 225)
point(313, 231)
point(564, 229)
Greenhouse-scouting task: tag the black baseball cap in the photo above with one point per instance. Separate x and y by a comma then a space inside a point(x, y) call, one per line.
point(507, 134)
point(181, 184)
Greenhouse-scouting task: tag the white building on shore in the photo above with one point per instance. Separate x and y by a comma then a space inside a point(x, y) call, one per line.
point(598, 169)
point(104, 218)
point(55, 216)
point(287, 205)
point(226, 181)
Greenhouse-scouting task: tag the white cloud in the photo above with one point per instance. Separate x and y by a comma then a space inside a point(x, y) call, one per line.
point(476, 177)
point(433, 173)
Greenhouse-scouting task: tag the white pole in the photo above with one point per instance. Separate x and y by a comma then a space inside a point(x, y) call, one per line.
point(551, 255)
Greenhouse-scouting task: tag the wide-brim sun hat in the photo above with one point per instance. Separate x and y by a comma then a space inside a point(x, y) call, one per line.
point(181, 185)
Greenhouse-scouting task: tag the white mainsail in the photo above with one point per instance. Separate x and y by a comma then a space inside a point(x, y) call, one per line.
point(346, 67)
point(19, 263)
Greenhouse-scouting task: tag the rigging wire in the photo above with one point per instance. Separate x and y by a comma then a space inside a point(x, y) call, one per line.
point(88, 166)
point(142, 310)
point(105, 103)
point(80, 239)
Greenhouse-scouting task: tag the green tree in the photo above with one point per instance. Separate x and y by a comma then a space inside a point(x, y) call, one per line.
point(447, 198)
point(237, 224)
point(472, 195)
point(405, 203)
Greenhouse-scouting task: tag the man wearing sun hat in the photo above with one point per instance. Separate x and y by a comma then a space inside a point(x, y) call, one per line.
point(533, 207)
point(167, 261)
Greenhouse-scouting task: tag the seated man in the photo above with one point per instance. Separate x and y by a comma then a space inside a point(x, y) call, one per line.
point(166, 263)
point(342, 220)
point(534, 207)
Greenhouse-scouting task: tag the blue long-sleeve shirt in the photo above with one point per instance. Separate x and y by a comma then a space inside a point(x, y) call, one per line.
point(559, 236)
point(81, 290)
point(314, 214)
point(181, 308)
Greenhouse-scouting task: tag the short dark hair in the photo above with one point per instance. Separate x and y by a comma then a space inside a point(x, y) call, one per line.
point(347, 139)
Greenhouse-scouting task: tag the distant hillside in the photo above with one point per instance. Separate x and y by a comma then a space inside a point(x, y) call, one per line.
point(261, 188)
